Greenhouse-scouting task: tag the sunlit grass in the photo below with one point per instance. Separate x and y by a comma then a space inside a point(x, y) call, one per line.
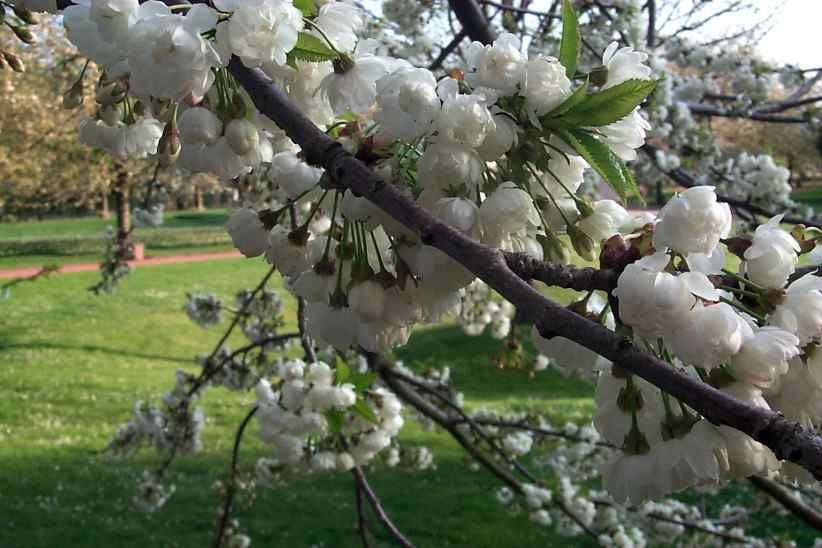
point(73, 364)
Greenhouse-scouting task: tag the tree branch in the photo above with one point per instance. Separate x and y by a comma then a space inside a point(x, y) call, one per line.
point(362, 526)
point(789, 501)
point(231, 490)
point(473, 21)
point(685, 179)
point(376, 505)
point(788, 439)
point(708, 110)
point(561, 275)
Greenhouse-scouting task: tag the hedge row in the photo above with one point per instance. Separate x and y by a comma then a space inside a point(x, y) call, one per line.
point(82, 245)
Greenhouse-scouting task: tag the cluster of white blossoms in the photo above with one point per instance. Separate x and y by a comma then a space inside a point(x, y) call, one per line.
point(302, 417)
point(498, 152)
point(752, 334)
point(204, 309)
point(478, 310)
point(756, 178)
point(453, 144)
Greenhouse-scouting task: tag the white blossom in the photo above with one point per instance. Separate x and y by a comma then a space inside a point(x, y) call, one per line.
point(693, 222)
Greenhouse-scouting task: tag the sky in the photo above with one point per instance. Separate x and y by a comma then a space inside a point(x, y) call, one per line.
point(797, 34)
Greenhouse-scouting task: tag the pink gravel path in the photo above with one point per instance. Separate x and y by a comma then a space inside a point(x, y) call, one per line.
point(89, 267)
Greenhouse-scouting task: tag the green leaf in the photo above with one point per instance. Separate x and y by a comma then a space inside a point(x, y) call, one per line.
point(609, 166)
point(609, 105)
point(571, 39)
point(312, 49)
point(342, 372)
point(335, 419)
point(361, 408)
point(308, 7)
point(631, 187)
point(362, 381)
point(573, 100)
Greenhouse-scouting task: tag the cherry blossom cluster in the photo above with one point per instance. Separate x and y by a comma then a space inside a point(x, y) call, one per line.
point(311, 407)
point(750, 332)
point(497, 151)
point(478, 310)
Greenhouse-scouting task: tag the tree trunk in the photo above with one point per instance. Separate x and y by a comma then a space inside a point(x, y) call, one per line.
point(198, 199)
point(122, 205)
point(105, 212)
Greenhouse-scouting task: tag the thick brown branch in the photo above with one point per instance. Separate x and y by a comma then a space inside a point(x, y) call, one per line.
point(473, 21)
point(789, 440)
point(561, 275)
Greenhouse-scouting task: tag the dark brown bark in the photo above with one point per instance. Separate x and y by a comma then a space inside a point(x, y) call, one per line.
point(789, 440)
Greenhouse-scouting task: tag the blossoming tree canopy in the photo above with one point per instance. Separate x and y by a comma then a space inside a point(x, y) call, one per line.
point(389, 195)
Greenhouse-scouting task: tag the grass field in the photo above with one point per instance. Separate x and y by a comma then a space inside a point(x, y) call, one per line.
point(95, 226)
point(810, 196)
point(73, 364)
point(80, 239)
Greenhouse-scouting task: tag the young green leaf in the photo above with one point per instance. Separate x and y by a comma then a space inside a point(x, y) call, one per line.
point(609, 105)
point(361, 408)
point(312, 49)
point(573, 100)
point(609, 166)
point(343, 373)
point(335, 419)
point(362, 381)
point(571, 39)
point(308, 7)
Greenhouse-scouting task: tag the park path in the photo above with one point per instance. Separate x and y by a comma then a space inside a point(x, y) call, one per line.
point(90, 267)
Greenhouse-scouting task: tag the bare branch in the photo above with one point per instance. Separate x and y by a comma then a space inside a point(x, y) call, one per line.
point(789, 501)
point(376, 505)
point(231, 489)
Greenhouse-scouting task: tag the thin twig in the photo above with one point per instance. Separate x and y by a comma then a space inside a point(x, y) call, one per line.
point(376, 505)
point(231, 490)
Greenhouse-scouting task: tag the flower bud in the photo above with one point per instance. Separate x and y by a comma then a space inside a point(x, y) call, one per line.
point(109, 94)
point(630, 399)
point(553, 249)
point(14, 62)
point(73, 98)
point(170, 145)
point(26, 16)
point(583, 244)
point(343, 64)
point(585, 209)
point(238, 107)
point(635, 442)
point(617, 253)
point(24, 34)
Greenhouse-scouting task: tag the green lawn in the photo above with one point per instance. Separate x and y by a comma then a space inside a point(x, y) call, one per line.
point(810, 196)
point(80, 239)
point(73, 364)
point(94, 226)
